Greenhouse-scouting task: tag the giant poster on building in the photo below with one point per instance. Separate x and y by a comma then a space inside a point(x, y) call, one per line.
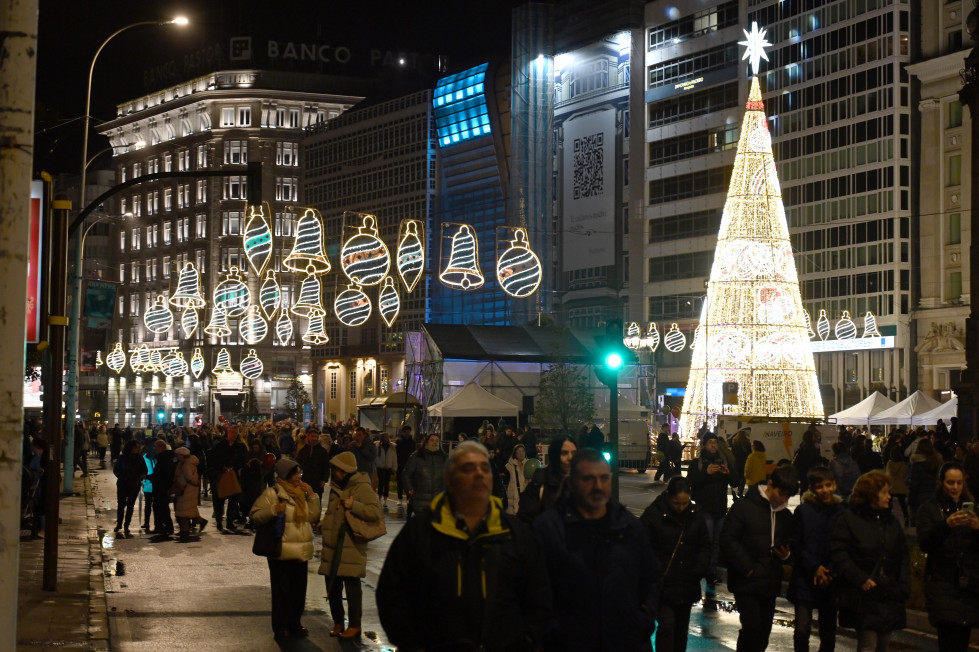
point(588, 193)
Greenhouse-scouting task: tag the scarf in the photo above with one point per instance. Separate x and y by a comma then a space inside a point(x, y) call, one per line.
point(298, 496)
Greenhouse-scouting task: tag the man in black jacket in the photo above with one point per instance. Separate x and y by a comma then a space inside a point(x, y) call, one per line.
point(162, 479)
point(228, 453)
point(315, 463)
point(755, 544)
point(710, 477)
point(463, 574)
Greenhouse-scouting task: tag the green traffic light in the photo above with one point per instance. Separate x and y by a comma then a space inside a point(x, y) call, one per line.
point(607, 455)
point(613, 360)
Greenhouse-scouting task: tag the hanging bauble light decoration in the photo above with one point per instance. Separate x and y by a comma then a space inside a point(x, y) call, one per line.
point(218, 326)
point(315, 332)
point(188, 294)
point(462, 271)
point(809, 330)
point(870, 326)
point(283, 329)
point(251, 366)
point(633, 337)
point(365, 258)
point(822, 325)
point(116, 359)
point(696, 334)
point(652, 336)
point(98, 359)
point(253, 327)
point(223, 364)
point(158, 318)
point(675, 340)
point(178, 366)
point(352, 306)
point(518, 269)
point(389, 302)
point(845, 328)
point(308, 248)
point(231, 294)
point(270, 294)
point(257, 237)
point(144, 357)
point(156, 361)
point(166, 364)
point(309, 300)
point(134, 361)
point(411, 253)
point(190, 320)
point(197, 363)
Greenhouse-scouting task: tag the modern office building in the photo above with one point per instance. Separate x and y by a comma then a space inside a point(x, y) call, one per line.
point(378, 160)
point(942, 169)
point(220, 120)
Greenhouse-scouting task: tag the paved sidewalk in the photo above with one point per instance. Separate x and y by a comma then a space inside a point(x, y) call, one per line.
point(74, 616)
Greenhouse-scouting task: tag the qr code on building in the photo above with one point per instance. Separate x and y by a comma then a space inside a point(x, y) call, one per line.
point(589, 166)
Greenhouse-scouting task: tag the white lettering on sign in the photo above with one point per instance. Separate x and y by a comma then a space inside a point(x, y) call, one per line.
point(308, 52)
point(856, 344)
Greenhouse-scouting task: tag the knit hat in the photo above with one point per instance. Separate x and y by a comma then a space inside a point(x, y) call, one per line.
point(345, 461)
point(284, 468)
point(182, 452)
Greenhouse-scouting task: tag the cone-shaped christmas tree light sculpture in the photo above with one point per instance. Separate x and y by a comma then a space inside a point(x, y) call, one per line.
point(752, 327)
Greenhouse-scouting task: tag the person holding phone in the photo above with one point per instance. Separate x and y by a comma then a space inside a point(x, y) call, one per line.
point(948, 532)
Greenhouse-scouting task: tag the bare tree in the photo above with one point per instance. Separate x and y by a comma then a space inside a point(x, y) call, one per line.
point(565, 401)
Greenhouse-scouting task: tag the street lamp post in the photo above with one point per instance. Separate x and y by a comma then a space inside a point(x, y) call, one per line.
point(71, 389)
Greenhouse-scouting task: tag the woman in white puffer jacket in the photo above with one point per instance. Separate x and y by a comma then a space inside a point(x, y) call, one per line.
point(518, 482)
point(288, 571)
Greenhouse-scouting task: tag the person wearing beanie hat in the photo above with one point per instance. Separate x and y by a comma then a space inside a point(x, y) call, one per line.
point(288, 572)
point(344, 556)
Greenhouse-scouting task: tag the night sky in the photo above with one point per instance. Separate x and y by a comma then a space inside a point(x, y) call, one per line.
point(147, 58)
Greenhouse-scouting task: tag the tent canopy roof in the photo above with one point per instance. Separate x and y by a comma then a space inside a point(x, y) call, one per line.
point(514, 343)
point(916, 404)
point(859, 414)
point(473, 401)
point(397, 399)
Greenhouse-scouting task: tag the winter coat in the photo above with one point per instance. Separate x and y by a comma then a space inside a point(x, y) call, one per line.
point(366, 453)
point(755, 468)
point(353, 554)
point(315, 463)
point(752, 528)
point(387, 458)
point(129, 470)
point(922, 481)
point(949, 550)
point(604, 577)
point(805, 458)
point(102, 439)
point(710, 489)
point(424, 475)
point(488, 587)
point(297, 539)
point(691, 559)
point(812, 528)
point(186, 487)
point(405, 447)
point(846, 472)
point(517, 483)
point(870, 544)
point(897, 472)
point(166, 464)
point(545, 488)
point(224, 455)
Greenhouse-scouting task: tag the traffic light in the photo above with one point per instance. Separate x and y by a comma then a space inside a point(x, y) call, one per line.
point(611, 353)
point(160, 415)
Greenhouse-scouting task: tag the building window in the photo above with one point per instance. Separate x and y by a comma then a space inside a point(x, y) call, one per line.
point(294, 122)
point(954, 170)
point(167, 232)
point(134, 305)
point(236, 152)
point(134, 271)
point(244, 116)
point(280, 117)
point(284, 224)
point(153, 166)
point(954, 114)
point(333, 384)
point(152, 231)
point(183, 195)
point(137, 169)
point(228, 116)
point(122, 272)
point(204, 119)
point(202, 156)
point(201, 191)
point(183, 160)
point(235, 187)
point(165, 267)
point(200, 257)
point(168, 199)
point(353, 384)
point(232, 257)
point(122, 241)
point(201, 225)
point(168, 162)
point(186, 127)
point(286, 188)
point(954, 286)
point(136, 239)
point(287, 154)
point(183, 229)
point(231, 224)
point(955, 228)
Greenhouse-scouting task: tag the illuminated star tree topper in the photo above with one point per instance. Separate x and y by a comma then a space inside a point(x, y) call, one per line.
point(755, 45)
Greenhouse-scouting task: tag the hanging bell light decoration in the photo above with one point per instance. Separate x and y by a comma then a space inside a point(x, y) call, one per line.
point(190, 320)
point(632, 338)
point(158, 318)
point(98, 359)
point(283, 329)
point(257, 237)
point(251, 366)
point(197, 363)
point(411, 253)
point(652, 338)
point(822, 325)
point(352, 306)
point(462, 271)
point(218, 326)
point(116, 359)
point(307, 251)
point(315, 332)
point(870, 326)
point(675, 340)
point(270, 294)
point(223, 364)
point(389, 302)
point(518, 269)
point(253, 327)
point(231, 294)
point(845, 328)
point(309, 300)
point(365, 258)
point(188, 294)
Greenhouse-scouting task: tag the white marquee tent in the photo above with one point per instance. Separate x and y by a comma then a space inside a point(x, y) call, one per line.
point(907, 411)
point(944, 411)
point(473, 401)
point(860, 414)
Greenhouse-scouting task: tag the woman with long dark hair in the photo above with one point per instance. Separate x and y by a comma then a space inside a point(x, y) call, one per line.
point(549, 483)
point(681, 543)
point(948, 532)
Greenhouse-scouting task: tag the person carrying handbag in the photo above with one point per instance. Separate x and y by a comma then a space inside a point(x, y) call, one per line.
point(288, 570)
point(344, 555)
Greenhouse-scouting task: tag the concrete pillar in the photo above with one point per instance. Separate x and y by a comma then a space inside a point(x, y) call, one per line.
point(18, 42)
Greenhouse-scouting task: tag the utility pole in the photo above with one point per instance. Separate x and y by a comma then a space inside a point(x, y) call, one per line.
point(18, 42)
